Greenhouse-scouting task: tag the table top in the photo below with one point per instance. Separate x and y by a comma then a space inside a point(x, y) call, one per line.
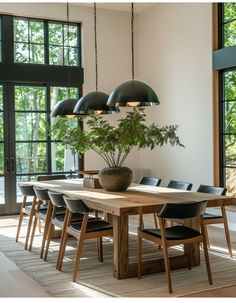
point(135, 200)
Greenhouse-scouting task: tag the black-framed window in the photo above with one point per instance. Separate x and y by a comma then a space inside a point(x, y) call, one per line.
point(0, 39)
point(35, 85)
point(46, 42)
point(229, 24)
point(224, 62)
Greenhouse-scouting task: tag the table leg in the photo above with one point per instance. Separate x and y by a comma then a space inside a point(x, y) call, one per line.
point(120, 247)
point(195, 224)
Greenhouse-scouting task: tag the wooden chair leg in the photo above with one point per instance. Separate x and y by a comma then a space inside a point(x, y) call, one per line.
point(190, 252)
point(167, 265)
point(206, 234)
point(77, 260)
point(29, 228)
point(100, 249)
point(207, 261)
point(227, 235)
point(48, 240)
point(19, 225)
point(155, 221)
point(62, 252)
point(139, 253)
point(33, 233)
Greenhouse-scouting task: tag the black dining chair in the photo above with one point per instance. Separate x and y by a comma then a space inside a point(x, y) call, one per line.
point(150, 181)
point(44, 209)
point(210, 218)
point(153, 182)
point(87, 229)
point(175, 235)
point(27, 208)
point(179, 185)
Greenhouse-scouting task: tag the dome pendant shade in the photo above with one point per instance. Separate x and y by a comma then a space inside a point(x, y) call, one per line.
point(64, 108)
point(94, 103)
point(133, 93)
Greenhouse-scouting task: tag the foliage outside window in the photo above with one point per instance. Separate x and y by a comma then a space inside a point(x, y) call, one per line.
point(0, 39)
point(63, 44)
point(30, 42)
point(229, 24)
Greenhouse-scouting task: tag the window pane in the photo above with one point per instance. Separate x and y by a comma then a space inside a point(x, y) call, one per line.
point(1, 97)
point(1, 129)
point(2, 190)
point(31, 157)
point(230, 34)
point(56, 55)
point(0, 39)
point(21, 53)
point(61, 93)
point(230, 114)
point(20, 30)
point(72, 52)
point(30, 126)
point(230, 85)
point(229, 11)
point(230, 150)
point(37, 54)
point(230, 176)
point(36, 31)
point(58, 156)
point(55, 34)
point(30, 98)
point(1, 162)
point(70, 37)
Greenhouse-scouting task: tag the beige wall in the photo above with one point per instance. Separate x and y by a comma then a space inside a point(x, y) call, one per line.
point(173, 54)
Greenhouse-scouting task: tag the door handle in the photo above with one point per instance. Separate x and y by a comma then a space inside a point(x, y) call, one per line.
point(7, 163)
point(13, 166)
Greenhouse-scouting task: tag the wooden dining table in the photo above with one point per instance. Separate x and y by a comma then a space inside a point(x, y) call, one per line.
point(137, 199)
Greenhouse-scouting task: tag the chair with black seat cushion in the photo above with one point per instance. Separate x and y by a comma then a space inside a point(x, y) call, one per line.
point(150, 181)
point(210, 218)
point(27, 208)
point(179, 185)
point(153, 182)
point(58, 219)
point(87, 229)
point(175, 235)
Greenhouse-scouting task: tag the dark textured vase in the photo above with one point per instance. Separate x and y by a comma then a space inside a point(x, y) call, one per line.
point(115, 178)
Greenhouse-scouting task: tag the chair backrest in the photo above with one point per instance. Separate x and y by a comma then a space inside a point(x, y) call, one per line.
point(149, 181)
point(214, 190)
point(184, 210)
point(27, 190)
point(56, 199)
point(76, 205)
point(50, 177)
point(41, 193)
point(179, 185)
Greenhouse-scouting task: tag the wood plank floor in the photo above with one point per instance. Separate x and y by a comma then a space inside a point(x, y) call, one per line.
point(95, 279)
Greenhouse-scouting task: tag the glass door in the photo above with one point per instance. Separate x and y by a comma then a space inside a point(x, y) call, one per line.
point(26, 147)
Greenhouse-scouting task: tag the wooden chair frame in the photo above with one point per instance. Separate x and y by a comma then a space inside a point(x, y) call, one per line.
point(81, 236)
point(167, 243)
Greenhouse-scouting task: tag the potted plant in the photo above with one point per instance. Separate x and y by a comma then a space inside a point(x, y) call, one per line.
point(114, 144)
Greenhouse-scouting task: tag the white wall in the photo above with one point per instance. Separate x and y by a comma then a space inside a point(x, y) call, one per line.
point(174, 57)
point(173, 54)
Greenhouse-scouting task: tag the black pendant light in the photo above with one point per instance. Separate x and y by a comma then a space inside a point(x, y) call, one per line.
point(65, 107)
point(94, 102)
point(133, 93)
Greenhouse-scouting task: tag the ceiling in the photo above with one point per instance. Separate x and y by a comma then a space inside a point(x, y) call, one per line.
point(119, 6)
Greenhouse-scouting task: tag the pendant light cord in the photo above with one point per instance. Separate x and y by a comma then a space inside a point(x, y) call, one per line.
point(68, 22)
point(95, 44)
point(132, 38)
